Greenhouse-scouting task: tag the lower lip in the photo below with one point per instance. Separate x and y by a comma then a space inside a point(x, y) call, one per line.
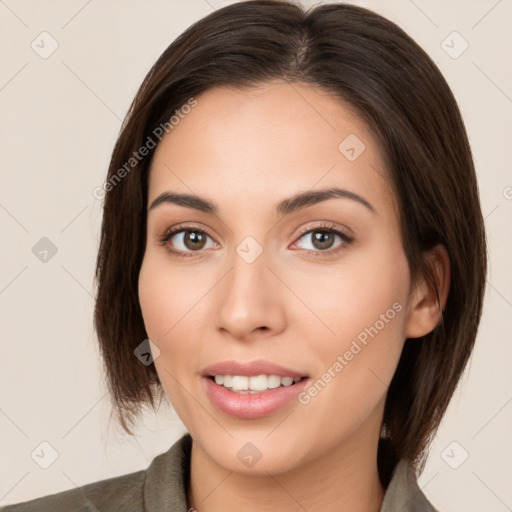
point(250, 406)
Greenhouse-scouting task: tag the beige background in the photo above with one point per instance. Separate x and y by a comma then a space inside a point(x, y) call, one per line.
point(60, 118)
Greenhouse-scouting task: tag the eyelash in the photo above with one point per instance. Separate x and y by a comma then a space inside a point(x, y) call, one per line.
point(326, 227)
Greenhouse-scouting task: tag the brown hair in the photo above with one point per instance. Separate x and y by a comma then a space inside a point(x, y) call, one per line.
point(369, 62)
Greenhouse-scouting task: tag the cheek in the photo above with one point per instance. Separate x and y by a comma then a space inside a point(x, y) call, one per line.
point(174, 311)
point(350, 297)
point(166, 309)
point(153, 300)
point(166, 296)
point(366, 310)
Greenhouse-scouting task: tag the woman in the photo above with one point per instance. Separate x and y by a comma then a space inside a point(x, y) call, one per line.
point(293, 253)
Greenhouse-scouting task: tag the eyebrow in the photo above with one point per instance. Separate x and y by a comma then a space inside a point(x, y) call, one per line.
point(285, 207)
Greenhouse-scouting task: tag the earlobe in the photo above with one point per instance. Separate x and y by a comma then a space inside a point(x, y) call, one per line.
point(425, 310)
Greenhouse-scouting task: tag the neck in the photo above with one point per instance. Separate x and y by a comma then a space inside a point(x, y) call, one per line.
point(345, 478)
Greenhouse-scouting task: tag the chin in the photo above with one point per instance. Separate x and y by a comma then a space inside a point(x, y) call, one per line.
point(254, 453)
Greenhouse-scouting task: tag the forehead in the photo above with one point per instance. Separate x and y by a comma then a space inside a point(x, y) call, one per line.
point(263, 143)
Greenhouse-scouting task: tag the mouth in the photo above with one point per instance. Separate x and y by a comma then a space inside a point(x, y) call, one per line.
point(253, 389)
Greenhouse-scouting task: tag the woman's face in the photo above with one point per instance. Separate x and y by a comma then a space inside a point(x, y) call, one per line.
point(269, 287)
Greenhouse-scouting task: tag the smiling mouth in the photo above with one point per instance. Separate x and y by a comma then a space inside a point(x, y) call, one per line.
point(244, 384)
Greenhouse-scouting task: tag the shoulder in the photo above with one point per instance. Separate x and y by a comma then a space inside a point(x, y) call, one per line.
point(159, 487)
point(119, 493)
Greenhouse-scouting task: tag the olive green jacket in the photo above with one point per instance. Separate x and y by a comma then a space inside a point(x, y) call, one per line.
point(162, 488)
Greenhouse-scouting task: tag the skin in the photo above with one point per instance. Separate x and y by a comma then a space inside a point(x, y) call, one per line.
point(246, 150)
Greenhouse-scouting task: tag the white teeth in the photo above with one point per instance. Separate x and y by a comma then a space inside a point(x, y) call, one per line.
point(259, 383)
point(240, 383)
point(274, 381)
point(254, 384)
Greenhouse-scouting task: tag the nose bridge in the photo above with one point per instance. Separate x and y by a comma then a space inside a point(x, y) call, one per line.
point(247, 299)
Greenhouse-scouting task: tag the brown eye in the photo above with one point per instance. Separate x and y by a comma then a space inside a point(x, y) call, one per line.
point(185, 241)
point(323, 239)
point(194, 240)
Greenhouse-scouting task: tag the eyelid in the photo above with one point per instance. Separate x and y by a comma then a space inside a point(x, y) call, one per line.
point(325, 225)
point(169, 232)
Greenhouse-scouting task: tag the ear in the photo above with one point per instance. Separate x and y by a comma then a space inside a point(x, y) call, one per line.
point(425, 311)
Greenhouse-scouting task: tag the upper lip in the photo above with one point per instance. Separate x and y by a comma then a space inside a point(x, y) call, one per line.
point(250, 369)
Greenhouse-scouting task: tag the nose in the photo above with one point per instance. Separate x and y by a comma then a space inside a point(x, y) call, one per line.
point(249, 300)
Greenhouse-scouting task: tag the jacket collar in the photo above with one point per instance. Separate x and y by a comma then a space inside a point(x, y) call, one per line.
point(166, 482)
point(403, 493)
